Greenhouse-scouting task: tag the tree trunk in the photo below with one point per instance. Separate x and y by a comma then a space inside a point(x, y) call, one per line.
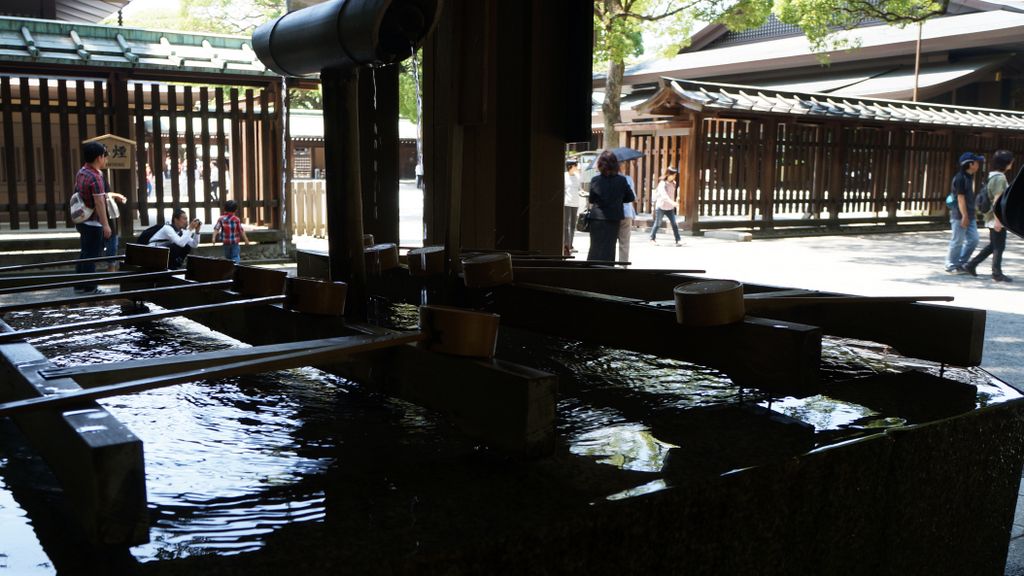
point(612, 102)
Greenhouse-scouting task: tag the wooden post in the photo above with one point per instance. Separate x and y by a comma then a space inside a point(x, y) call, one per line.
point(690, 181)
point(896, 187)
point(344, 185)
point(770, 172)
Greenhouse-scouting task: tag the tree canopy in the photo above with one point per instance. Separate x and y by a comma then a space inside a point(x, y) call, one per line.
point(620, 27)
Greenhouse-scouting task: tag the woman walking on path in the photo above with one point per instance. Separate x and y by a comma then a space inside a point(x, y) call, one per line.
point(608, 192)
point(665, 204)
point(1002, 161)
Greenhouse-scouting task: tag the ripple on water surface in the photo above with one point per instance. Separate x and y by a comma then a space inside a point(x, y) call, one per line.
point(228, 464)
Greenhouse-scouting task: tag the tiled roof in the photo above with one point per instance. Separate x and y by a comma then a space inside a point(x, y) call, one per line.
point(51, 42)
point(676, 95)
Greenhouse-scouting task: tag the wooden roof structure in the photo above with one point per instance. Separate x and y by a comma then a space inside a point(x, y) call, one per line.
point(675, 97)
point(45, 42)
point(66, 10)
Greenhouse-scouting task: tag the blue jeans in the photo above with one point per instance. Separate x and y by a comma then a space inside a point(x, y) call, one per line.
point(962, 244)
point(671, 215)
point(110, 245)
point(90, 239)
point(232, 252)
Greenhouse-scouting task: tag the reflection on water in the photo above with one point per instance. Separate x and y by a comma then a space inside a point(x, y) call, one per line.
point(629, 447)
point(20, 552)
point(229, 463)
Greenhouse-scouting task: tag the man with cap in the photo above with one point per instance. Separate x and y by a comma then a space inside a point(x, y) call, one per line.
point(962, 218)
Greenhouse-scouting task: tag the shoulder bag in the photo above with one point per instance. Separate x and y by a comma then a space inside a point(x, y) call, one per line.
point(583, 221)
point(79, 212)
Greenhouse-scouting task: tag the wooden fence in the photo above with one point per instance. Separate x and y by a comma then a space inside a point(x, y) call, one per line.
point(765, 172)
point(309, 208)
point(203, 144)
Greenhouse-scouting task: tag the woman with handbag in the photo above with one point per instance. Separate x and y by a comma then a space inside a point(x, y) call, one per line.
point(608, 192)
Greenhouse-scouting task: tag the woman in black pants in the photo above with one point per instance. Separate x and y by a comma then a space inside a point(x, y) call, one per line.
point(608, 192)
point(1002, 161)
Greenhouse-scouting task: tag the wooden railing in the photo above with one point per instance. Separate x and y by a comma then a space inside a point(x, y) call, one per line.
point(309, 208)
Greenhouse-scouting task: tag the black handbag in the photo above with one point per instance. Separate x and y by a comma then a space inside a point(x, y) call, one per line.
point(583, 221)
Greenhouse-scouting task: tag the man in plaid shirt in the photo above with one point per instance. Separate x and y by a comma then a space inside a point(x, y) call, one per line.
point(229, 229)
point(92, 188)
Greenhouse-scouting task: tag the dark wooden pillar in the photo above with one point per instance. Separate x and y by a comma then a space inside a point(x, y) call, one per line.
point(501, 97)
point(344, 188)
point(378, 139)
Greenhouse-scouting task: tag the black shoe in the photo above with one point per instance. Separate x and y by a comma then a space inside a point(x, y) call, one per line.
point(1001, 278)
point(971, 269)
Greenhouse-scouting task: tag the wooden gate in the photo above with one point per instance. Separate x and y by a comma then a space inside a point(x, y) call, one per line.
point(201, 144)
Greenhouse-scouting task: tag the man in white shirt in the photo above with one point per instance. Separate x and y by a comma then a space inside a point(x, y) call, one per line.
point(179, 235)
point(571, 204)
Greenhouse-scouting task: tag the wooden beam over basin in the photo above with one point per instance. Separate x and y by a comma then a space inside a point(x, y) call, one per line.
point(97, 459)
point(938, 333)
point(508, 406)
point(767, 354)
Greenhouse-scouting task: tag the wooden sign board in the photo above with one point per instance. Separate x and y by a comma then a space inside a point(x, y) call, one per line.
point(120, 151)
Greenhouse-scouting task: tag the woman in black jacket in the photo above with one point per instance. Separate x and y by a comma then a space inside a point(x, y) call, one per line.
point(608, 192)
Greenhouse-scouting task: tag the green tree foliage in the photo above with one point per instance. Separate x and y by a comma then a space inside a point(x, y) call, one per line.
point(619, 27)
point(407, 105)
point(241, 17)
point(212, 16)
point(823, 20)
point(229, 16)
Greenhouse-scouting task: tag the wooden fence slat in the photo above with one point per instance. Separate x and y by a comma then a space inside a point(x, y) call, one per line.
point(10, 164)
point(266, 158)
point(175, 146)
point(29, 147)
point(49, 177)
point(161, 166)
point(67, 164)
point(99, 108)
point(141, 160)
point(237, 160)
point(222, 172)
point(251, 182)
point(204, 136)
point(190, 152)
